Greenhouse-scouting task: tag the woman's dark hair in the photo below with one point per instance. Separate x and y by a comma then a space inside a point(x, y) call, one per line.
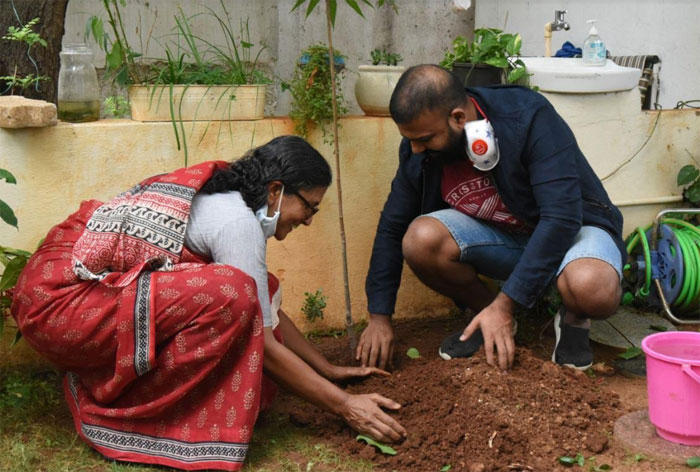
point(288, 159)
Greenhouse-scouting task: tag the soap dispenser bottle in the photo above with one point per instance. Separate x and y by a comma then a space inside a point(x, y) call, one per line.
point(594, 52)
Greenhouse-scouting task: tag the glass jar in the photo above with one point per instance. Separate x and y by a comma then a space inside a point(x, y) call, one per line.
point(78, 88)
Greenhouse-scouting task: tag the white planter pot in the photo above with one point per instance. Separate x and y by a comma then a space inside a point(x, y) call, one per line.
point(198, 102)
point(374, 87)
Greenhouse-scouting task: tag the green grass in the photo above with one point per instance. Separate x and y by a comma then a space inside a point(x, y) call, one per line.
point(37, 434)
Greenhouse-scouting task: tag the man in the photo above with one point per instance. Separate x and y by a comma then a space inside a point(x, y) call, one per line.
point(535, 212)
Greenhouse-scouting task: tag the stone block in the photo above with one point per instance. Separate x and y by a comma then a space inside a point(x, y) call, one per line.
point(19, 112)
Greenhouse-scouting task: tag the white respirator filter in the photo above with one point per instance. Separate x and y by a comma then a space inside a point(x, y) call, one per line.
point(481, 144)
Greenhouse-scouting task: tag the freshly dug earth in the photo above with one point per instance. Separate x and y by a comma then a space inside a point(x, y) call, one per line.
point(473, 417)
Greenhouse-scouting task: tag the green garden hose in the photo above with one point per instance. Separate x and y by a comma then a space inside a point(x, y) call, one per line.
point(688, 237)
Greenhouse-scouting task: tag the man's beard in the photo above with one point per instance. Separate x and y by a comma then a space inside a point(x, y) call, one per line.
point(454, 151)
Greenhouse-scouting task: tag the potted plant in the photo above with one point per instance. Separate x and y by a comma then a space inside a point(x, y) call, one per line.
point(196, 81)
point(376, 82)
point(493, 57)
point(311, 89)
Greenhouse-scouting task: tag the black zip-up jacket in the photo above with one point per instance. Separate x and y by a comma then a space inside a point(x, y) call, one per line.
point(542, 177)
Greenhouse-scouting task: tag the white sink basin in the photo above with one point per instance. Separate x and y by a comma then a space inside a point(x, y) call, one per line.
point(569, 75)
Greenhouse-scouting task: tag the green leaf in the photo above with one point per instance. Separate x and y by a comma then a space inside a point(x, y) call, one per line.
point(5, 174)
point(500, 62)
point(639, 457)
point(384, 449)
point(7, 215)
point(658, 328)
point(631, 353)
point(353, 4)
point(693, 462)
point(580, 460)
point(114, 57)
point(566, 460)
point(312, 5)
point(693, 192)
point(18, 336)
point(687, 174)
point(11, 273)
point(604, 467)
point(297, 5)
point(516, 74)
point(333, 8)
point(446, 468)
point(413, 353)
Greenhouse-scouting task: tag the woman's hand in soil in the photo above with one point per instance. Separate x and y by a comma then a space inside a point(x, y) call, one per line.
point(364, 415)
point(496, 324)
point(342, 374)
point(376, 346)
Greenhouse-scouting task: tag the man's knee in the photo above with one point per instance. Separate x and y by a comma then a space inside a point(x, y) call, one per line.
point(426, 241)
point(593, 289)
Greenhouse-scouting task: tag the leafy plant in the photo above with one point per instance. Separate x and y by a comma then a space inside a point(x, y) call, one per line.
point(116, 106)
point(310, 87)
point(314, 303)
point(413, 353)
point(381, 56)
point(26, 35)
point(490, 46)
point(689, 176)
point(13, 260)
point(693, 462)
point(383, 448)
point(331, 10)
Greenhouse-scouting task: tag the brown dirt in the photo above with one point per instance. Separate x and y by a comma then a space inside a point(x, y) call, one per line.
point(473, 417)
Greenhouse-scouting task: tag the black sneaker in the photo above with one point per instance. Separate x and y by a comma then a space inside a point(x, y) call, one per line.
point(572, 348)
point(453, 348)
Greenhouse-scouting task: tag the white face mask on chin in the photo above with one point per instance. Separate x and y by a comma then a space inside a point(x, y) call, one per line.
point(269, 223)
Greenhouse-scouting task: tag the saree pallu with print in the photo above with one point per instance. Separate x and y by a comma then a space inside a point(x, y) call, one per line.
point(163, 349)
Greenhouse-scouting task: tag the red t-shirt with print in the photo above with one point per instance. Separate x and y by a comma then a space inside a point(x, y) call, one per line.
point(474, 193)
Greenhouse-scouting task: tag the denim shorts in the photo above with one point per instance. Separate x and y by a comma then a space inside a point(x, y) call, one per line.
point(494, 252)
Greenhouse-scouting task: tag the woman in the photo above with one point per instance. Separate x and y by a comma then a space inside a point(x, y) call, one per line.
point(160, 306)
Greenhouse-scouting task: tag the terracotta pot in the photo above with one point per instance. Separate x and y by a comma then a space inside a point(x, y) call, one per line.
point(374, 87)
point(198, 102)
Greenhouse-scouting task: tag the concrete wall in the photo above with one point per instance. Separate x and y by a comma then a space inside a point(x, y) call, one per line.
point(421, 32)
point(628, 27)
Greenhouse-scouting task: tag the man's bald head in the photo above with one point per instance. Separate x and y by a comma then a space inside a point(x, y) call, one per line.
point(422, 88)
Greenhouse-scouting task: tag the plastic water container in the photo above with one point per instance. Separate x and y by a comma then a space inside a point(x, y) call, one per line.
point(673, 385)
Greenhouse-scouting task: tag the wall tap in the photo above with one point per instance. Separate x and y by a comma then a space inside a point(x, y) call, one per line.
point(557, 25)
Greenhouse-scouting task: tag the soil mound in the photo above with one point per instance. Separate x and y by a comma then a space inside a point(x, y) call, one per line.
point(472, 417)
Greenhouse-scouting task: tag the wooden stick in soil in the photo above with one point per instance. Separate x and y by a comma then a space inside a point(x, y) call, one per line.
point(336, 151)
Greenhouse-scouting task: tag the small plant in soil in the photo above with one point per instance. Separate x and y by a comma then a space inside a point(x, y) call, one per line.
point(383, 448)
point(383, 57)
point(413, 353)
point(116, 106)
point(693, 462)
point(314, 303)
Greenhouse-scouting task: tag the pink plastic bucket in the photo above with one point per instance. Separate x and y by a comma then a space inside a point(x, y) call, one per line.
point(673, 384)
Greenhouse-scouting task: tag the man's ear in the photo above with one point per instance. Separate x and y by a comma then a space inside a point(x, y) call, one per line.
point(459, 115)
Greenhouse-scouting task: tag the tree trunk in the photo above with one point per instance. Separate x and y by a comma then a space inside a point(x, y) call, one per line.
point(51, 15)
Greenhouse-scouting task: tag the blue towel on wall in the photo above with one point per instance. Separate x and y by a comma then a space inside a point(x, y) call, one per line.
point(568, 50)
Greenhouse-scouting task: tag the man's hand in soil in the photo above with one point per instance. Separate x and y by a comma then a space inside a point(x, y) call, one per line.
point(376, 346)
point(364, 415)
point(496, 324)
point(342, 374)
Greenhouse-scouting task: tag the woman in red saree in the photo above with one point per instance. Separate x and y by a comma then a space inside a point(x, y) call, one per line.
point(159, 305)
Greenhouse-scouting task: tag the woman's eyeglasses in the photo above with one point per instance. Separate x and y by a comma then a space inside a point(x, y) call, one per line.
point(311, 209)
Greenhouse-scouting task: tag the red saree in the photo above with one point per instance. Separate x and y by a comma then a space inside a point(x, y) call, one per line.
point(164, 350)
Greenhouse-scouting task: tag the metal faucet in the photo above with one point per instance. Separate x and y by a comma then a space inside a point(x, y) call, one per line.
point(559, 22)
point(557, 25)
